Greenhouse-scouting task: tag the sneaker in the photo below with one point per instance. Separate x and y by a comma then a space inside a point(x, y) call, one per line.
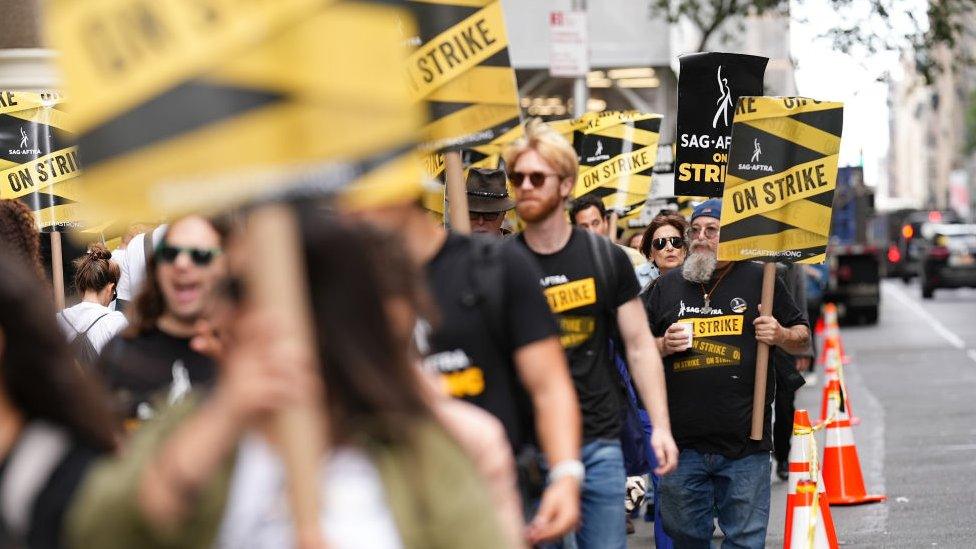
point(783, 470)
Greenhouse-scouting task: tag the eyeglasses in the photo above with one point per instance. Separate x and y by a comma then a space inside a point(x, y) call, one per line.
point(487, 216)
point(692, 232)
point(537, 179)
point(201, 257)
point(676, 242)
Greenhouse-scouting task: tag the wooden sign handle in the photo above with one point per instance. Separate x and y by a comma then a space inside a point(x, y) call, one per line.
point(277, 284)
point(457, 196)
point(762, 354)
point(57, 269)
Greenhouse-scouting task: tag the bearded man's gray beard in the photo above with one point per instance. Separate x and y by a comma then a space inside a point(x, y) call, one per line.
point(699, 266)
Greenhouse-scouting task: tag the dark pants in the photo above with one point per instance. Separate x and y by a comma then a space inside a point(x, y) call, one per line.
point(783, 421)
point(813, 313)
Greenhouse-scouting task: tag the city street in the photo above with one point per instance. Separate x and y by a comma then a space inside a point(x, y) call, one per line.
point(911, 379)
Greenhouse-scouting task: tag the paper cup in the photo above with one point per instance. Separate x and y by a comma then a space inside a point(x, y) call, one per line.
point(689, 331)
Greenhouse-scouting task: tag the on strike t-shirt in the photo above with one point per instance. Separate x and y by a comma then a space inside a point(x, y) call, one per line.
point(710, 385)
point(474, 360)
point(585, 308)
point(151, 366)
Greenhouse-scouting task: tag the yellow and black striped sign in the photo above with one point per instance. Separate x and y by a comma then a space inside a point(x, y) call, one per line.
point(780, 183)
point(617, 152)
point(38, 164)
point(194, 106)
point(462, 69)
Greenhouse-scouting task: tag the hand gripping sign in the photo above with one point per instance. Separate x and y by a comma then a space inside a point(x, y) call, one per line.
point(782, 173)
point(779, 187)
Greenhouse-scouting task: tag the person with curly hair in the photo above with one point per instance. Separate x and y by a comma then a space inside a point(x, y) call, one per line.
point(54, 420)
point(18, 230)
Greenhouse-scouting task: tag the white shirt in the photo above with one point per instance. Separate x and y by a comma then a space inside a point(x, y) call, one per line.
point(354, 511)
point(77, 318)
point(133, 267)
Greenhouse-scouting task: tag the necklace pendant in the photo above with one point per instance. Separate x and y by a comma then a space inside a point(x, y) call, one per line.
point(707, 308)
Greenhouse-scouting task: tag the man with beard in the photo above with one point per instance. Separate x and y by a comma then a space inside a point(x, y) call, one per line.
point(587, 302)
point(710, 380)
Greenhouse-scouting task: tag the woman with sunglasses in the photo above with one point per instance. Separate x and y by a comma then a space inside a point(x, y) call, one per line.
point(664, 242)
point(209, 473)
point(90, 324)
point(152, 363)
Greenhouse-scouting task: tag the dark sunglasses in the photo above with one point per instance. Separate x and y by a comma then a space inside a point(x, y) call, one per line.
point(537, 179)
point(200, 257)
point(487, 216)
point(676, 242)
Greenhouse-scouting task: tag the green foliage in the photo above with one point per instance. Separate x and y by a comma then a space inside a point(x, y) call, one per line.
point(945, 24)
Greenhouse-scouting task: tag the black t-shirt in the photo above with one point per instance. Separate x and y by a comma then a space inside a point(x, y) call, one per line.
point(710, 386)
point(586, 308)
point(51, 494)
point(145, 368)
point(475, 360)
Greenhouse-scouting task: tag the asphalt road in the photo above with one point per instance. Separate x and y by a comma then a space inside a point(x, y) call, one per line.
point(912, 382)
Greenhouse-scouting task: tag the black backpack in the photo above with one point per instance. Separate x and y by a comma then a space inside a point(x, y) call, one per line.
point(81, 347)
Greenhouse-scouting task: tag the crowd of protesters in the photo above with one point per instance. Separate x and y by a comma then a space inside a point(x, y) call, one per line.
point(492, 390)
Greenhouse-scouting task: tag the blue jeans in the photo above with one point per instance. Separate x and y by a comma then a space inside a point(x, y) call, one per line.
point(604, 520)
point(738, 488)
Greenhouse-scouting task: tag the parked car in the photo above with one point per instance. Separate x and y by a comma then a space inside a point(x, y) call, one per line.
point(949, 258)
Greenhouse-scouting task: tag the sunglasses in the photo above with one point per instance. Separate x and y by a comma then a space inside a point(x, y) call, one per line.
point(537, 179)
point(487, 216)
point(710, 232)
point(200, 257)
point(676, 242)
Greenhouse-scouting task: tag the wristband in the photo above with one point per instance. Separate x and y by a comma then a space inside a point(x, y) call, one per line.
point(568, 468)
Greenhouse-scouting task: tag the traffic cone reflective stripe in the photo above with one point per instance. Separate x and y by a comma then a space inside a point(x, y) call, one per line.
point(803, 467)
point(833, 384)
point(809, 528)
point(842, 476)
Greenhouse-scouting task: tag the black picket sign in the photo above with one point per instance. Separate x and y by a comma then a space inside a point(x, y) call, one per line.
point(709, 87)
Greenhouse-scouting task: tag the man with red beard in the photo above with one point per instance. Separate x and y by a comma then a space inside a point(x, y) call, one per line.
point(591, 286)
point(711, 374)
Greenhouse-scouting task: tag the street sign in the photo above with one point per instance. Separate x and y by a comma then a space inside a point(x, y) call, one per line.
point(569, 55)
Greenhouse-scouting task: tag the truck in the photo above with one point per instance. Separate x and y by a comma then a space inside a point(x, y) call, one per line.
point(853, 256)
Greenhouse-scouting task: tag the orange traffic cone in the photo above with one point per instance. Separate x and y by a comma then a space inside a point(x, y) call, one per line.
point(809, 531)
point(833, 370)
point(832, 330)
point(803, 467)
point(842, 476)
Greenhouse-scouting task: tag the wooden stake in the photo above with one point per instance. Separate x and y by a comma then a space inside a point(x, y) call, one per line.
point(457, 196)
point(57, 269)
point(277, 283)
point(762, 354)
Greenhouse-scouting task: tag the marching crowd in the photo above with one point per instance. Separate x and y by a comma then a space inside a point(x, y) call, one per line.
point(494, 390)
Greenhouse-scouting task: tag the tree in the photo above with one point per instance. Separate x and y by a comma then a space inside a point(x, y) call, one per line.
point(883, 25)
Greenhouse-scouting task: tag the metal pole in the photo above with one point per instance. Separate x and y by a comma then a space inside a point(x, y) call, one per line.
point(581, 92)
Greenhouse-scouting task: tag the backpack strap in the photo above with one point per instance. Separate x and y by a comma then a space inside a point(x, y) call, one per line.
point(602, 253)
point(486, 274)
point(38, 451)
point(92, 325)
